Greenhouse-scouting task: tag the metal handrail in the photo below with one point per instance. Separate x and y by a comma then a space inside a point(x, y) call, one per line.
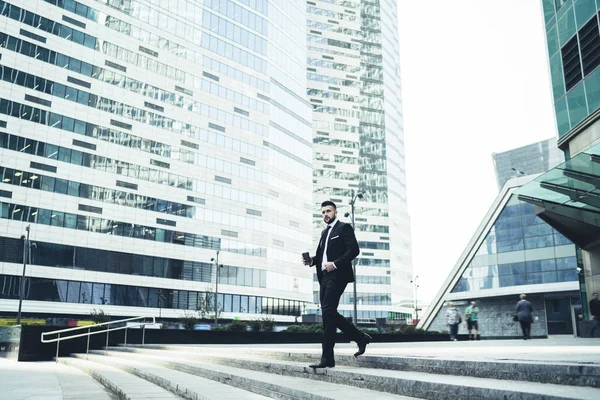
point(89, 333)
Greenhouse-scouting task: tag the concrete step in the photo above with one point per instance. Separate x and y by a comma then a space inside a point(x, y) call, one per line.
point(123, 384)
point(575, 374)
point(264, 382)
point(405, 383)
point(49, 381)
point(560, 373)
point(180, 383)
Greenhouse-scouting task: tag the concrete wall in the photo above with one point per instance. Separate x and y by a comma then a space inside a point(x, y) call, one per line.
point(585, 139)
point(495, 317)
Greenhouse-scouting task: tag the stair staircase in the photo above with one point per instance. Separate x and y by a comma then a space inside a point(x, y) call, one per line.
point(246, 372)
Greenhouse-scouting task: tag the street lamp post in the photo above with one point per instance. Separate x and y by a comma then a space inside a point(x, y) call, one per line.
point(518, 172)
point(414, 282)
point(26, 254)
point(354, 196)
point(217, 267)
point(160, 300)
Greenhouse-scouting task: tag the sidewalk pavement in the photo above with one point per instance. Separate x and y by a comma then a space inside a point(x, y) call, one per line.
point(554, 349)
point(46, 381)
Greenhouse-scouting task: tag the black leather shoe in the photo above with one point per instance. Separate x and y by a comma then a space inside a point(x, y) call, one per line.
point(324, 363)
point(362, 345)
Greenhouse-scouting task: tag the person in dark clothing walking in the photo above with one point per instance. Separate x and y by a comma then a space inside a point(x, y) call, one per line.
point(595, 311)
point(525, 316)
point(337, 249)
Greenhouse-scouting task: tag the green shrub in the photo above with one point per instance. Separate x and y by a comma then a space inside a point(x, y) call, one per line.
point(99, 316)
point(255, 325)
point(314, 328)
point(237, 326)
point(409, 330)
point(189, 319)
point(219, 328)
point(295, 329)
point(267, 324)
point(370, 331)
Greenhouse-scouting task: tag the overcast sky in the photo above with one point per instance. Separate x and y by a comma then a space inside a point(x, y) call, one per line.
point(475, 81)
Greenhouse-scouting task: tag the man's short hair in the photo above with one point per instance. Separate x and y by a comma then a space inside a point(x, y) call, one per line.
point(328, 203)
point(595, 293)
point(522, 296)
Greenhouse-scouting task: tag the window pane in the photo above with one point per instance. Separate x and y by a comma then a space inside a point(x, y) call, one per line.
point(577, 104)
point(562, 116)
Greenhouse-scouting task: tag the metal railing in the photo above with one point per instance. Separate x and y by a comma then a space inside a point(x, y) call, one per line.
point(89, 333)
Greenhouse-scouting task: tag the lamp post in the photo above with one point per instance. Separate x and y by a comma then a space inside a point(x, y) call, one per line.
point(414, 282)
point(160, 299)
point(353, 198)
point(26, 255)
point(217, 267)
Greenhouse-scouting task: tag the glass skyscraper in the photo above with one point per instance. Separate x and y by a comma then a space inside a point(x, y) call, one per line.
point(545, 241)
point(354, 90)
point(573, 38)
point(545, 255)
point(138, 138)
point(566, 197)
point(512, 252)
point(532, 159)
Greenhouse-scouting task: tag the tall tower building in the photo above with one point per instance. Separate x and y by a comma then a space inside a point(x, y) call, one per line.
point(140, 137)
point(354, 89)
point(534, 158)
point(566, 197)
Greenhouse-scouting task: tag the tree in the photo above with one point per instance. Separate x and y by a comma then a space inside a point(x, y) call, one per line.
point(206, 305)
point(204, 309)
point(189, 319)
point(99, 316)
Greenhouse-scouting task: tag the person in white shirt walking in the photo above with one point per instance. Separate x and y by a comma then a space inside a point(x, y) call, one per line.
point(452, 319)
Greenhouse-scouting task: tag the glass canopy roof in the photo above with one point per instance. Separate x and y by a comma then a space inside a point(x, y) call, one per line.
point(569, 195)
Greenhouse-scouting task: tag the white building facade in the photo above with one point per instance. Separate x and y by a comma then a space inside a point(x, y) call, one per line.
point(137, 139)
point(354, 89)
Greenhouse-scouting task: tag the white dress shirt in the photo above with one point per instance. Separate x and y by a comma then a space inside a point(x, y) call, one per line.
point(325, 261)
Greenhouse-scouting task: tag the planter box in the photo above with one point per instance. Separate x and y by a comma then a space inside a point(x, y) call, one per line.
point(32, 349)
point(10, 340)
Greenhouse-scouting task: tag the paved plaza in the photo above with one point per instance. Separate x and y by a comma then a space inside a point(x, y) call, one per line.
point(47, 381)
point(554, 349)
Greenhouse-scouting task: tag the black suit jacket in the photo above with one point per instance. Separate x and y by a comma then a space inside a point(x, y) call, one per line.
point(342, 249)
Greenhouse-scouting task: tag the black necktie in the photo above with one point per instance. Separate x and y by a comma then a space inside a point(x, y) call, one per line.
point(324, 237)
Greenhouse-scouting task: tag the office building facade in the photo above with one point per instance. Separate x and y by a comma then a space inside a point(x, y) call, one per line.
point(354, 89)
point(512, 252)
point(527, 160)
point(566, 197)
point(137, 139)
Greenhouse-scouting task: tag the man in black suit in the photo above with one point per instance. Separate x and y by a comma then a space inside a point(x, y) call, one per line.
point(336, 251)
